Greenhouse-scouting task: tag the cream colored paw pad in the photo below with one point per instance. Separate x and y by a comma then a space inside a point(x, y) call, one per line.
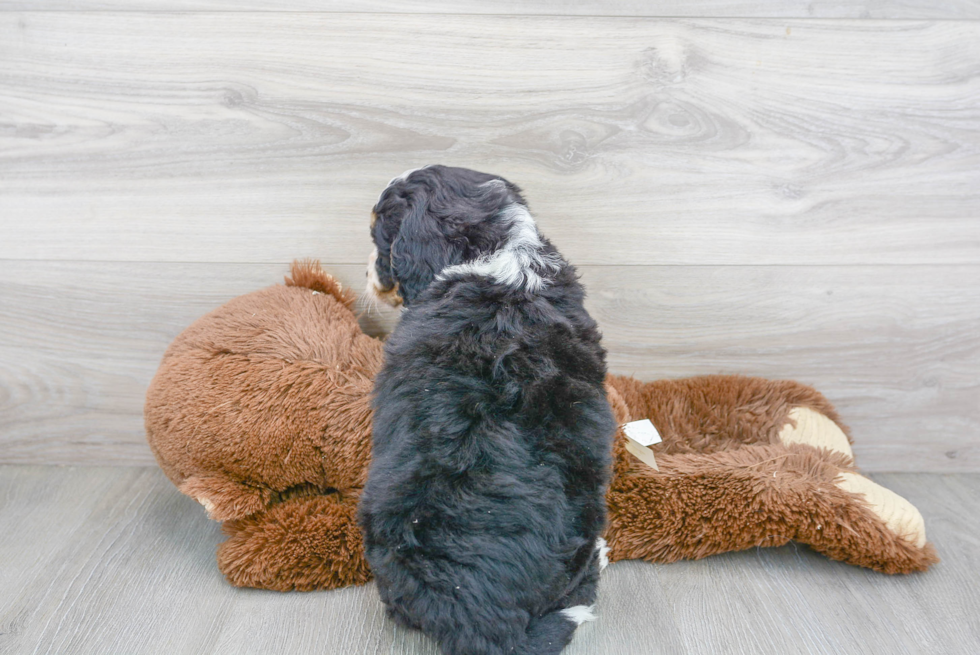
point(208, 506)
point(898, 514)
point(814, 429)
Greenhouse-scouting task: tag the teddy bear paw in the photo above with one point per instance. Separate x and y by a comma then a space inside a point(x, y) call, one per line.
point(898, 514)
point(812, 428)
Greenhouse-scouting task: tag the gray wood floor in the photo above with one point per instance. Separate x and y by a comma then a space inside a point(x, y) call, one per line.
point(115, 560)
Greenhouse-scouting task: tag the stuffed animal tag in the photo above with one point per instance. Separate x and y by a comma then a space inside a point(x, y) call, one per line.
point(642, 432)
point(640, 435)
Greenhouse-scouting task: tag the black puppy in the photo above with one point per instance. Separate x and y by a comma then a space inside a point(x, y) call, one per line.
point(485, 500)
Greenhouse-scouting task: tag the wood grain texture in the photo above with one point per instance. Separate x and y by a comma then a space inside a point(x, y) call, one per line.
point(895, 348)
point(902, 9)
point(250, 137)
point(112, 560)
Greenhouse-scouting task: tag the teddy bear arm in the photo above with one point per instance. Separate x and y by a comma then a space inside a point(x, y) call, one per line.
point(225, 499)
point(723, 412)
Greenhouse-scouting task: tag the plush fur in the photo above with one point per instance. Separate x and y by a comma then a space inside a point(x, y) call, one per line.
point(260, 411)
point(727, 482)
point(492, 442)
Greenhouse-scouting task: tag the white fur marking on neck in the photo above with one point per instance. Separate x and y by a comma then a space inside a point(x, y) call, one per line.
point(513, 263)
point(579, 614)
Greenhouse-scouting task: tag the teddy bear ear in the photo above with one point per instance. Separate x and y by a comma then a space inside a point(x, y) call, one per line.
point(308, 274)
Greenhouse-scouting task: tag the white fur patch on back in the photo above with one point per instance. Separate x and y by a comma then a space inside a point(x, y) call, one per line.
point(512, 264)
point(600, 545)
point(579, 614)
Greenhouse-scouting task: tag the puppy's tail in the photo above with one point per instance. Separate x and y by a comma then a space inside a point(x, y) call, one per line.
point(549, 634)
point(544, 635)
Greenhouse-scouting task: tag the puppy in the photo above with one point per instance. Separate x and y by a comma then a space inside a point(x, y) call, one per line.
point(485, 500)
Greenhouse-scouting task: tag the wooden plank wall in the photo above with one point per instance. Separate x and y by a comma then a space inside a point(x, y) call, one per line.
point(887, 9)
point(788, 189)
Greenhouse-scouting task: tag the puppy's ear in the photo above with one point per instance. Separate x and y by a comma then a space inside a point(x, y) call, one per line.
point(423, 247)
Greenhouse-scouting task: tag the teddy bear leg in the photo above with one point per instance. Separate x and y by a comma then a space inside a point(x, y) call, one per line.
point(695, 506)
point(700, 505)
point(898, 514)
point(303, 544)
point(855, 520)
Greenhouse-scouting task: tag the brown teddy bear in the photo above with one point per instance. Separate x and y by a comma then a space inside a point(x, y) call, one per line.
point(260, 411)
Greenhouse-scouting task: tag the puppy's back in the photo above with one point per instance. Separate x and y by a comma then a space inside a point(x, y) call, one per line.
point(485, 497)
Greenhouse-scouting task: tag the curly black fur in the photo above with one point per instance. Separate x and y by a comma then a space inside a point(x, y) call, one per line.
point(492, 434)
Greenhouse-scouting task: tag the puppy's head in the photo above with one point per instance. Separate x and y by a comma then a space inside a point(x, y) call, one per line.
point(431, 218)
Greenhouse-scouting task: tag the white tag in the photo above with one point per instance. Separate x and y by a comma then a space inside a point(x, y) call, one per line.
point(642, 453)
point(642, 432)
